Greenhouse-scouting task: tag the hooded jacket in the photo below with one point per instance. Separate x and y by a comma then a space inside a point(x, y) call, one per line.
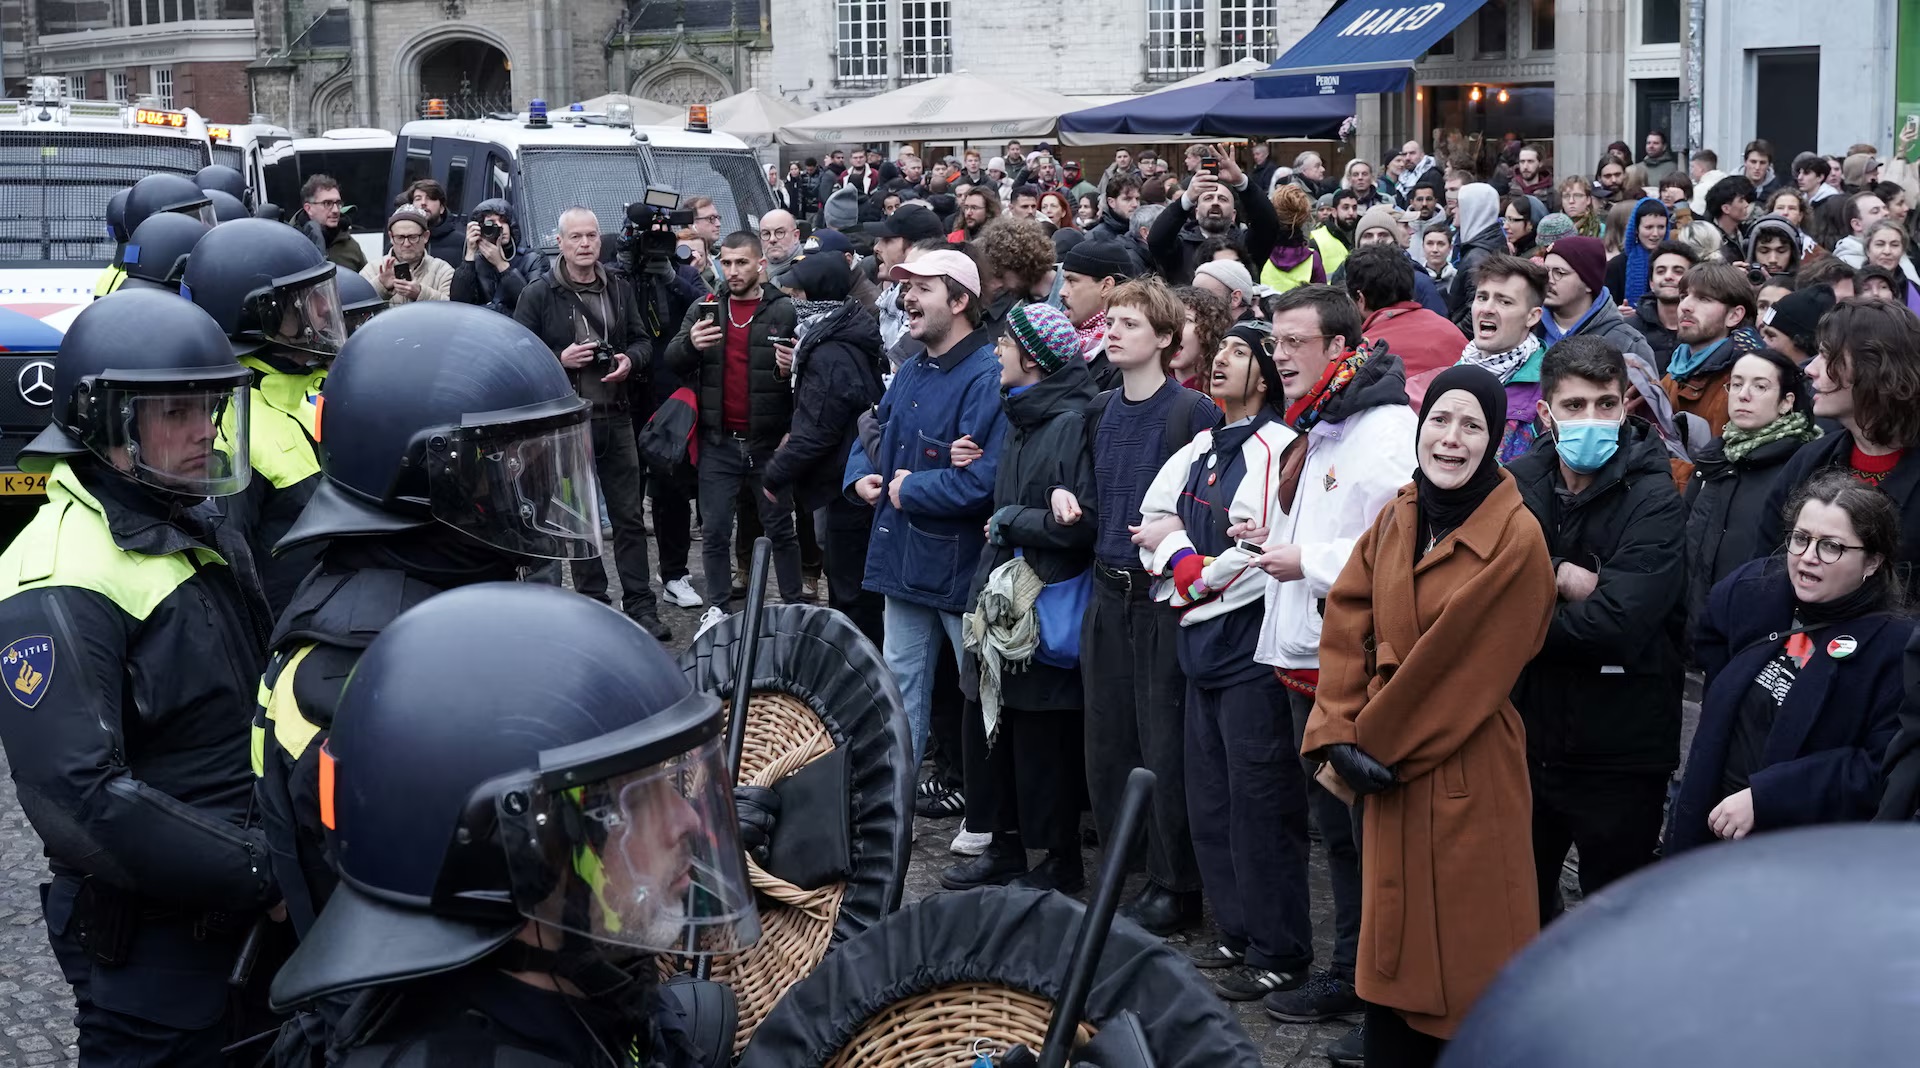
point(1779, 226)
point(1604, 321)
point(447, 239)
point(1646, 320)
point(1725, 502)
point(1047, 446)
point(1422, 340)
point(1605, 690)
point(1479, 216)
point(478, 281)
point(1628, 274)
point(1821, 759)
point(1356, 459)
point(837, 371)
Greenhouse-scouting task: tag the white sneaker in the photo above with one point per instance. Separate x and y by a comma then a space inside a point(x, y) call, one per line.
point(710, 620)
point(680, 593)
point(970, 843)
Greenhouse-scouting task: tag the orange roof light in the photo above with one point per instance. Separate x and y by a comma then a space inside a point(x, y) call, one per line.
point(697, 117)
point(220, 133)
point(435, 108)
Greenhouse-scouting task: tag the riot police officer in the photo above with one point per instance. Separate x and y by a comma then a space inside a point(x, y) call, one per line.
point(414, 500)
point(529, 800)
point(156, 255)
point(166, 192)
point(359, 301)
point(112, 275)
point(276, 298)
point(219, 176)
point(227, 208)
point(134, 634)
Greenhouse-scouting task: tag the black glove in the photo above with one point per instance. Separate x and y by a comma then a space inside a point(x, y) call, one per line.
point(1362, 774)
point(758, 809)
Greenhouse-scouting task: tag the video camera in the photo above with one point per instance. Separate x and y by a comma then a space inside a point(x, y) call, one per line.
point(651, 234)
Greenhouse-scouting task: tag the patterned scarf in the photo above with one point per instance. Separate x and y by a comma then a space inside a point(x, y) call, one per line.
point(1092, 334)
point(1305, 412)
point(809, 314)
point(1737, 443)
point(1502, 365)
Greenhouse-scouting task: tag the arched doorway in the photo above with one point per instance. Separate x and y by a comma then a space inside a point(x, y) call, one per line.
point(473, 77)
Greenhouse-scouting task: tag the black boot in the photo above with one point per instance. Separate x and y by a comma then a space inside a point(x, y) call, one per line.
point(1003, 862)
point(1058, 872)
point(1162, 911)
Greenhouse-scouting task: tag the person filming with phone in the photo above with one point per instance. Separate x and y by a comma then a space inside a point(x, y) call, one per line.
point(1220, 200)
point(494, 272)
point(408, 273)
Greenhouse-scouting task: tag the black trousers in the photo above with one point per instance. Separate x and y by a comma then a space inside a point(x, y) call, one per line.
point(1613, 818)
point(622, 481)
point(1392, 1044)
point(1247, 804)
point(1136, 699)
point(672, 523)
point(1338, 831)
point(728, 470)
point(1028, 779)
point(168, 1004)
point(847, 529)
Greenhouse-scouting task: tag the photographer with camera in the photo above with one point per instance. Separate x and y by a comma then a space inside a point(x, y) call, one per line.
point(592, 321)
point(494, 272)
point(409, 274)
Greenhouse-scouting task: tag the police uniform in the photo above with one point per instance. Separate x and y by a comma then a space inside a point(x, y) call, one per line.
point(113, 274)
point(381, 549)
point(276, 298)
point(133, 632)
point(551, 813)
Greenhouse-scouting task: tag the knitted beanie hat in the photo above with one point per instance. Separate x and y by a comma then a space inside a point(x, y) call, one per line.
point(1553, 228)
point(1045, 335)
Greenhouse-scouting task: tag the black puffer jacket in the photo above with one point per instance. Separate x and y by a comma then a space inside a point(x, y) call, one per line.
point(836, 377)
point(769, 400)
point(1173, 244)
point(1605, 690)
point(1047, 445)
point(1646, 320)
point(1725, 504)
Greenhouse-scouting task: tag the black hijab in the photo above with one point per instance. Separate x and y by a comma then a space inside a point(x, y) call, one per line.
point(1443, 510)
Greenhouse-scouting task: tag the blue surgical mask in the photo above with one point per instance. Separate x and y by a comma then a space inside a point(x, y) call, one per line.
point(1586, 444)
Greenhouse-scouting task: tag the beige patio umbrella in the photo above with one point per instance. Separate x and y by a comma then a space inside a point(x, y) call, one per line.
point(754, 116)
point(645, 112)
point(952, 107)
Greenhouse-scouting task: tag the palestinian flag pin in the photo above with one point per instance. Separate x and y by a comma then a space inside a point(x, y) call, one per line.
point(1842, 647)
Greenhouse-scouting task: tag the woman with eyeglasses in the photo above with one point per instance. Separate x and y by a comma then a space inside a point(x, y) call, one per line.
point(1769, 417)
point(1803, 657)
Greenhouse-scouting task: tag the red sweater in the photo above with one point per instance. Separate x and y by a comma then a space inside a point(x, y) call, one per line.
point(734, 382)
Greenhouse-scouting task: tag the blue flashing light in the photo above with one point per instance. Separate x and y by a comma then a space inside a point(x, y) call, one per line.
point(536, 109)
point(576, 107)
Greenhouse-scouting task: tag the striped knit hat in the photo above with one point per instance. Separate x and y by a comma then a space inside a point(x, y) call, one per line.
point(1045, 335)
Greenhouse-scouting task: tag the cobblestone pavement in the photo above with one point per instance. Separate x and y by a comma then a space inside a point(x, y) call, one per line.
point(36, 1014)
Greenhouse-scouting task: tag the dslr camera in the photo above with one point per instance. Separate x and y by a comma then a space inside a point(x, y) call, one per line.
point(650, 234)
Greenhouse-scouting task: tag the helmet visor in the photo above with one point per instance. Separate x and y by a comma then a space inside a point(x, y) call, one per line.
point(647, 859)
point(185, 438)
point(304, 312)
point(197, 209)
point(524, 485)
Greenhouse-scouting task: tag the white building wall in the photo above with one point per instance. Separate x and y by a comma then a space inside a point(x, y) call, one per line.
point(1855, 39)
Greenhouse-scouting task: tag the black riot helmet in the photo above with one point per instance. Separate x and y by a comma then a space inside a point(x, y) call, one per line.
point(227, 208)
point(156, 254)
point(117, 216)
point(450, 413)
point(507, 752)
point(146, 383)
point(1720, 958)
point(223, 178)
point(359, 301)
point(166, 192)
point(266, 284)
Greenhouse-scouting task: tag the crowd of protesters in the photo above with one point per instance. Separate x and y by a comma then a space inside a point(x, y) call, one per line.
point(1389, 508)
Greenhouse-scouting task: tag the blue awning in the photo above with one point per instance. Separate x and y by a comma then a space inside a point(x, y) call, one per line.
point(1225, 108)
point(1363, 46)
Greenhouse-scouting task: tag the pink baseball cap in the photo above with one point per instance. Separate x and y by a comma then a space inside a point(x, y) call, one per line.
point(944, 264)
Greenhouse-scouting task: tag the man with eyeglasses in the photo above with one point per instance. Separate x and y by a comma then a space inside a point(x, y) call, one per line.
point(326, 223)
point(779, 236)
point(706, 223)
point(408, 274)
point(1601, 701)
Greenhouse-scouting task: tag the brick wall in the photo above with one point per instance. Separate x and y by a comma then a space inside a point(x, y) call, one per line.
point(218, 91)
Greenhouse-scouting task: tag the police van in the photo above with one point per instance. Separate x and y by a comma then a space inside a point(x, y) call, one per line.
point(358, 158)
point(544, 164)
point(244, 147)
point(61, 160)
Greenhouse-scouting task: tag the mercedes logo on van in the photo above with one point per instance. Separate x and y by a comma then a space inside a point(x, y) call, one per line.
point(36, 383)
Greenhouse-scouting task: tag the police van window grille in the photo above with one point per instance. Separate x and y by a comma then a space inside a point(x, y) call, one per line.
point(54, 187)
point(734, 181)
point(228, 156)
point(553, 180)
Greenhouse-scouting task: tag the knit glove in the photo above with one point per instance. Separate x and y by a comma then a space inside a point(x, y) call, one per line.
point(1362, 774)
point(1188, 566)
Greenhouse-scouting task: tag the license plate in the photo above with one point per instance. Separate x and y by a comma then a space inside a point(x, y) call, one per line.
point(21, 484)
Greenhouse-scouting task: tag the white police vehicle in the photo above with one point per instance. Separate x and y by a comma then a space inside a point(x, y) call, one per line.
point(61, 161)
point(544, 164)
point(358, 158)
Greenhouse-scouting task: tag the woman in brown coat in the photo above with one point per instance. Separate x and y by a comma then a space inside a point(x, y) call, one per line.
point(1442, 603)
